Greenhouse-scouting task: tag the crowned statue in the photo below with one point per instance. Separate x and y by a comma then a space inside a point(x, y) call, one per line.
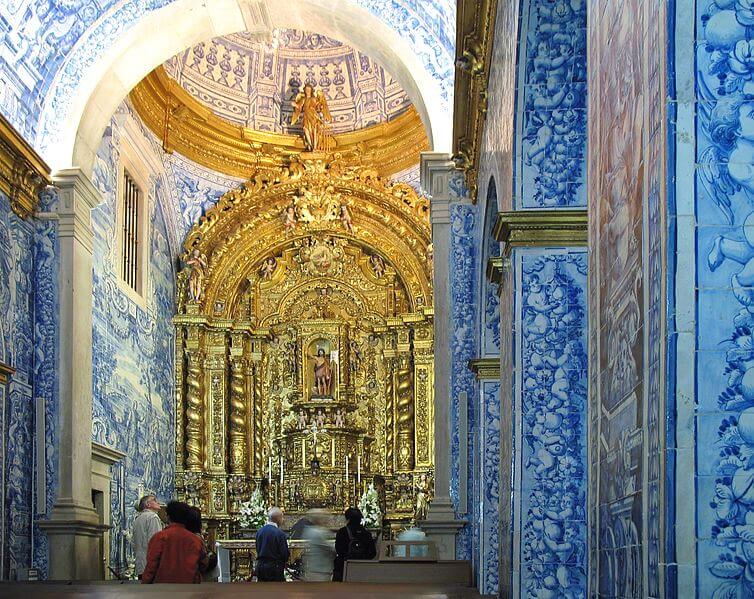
point(312, 108)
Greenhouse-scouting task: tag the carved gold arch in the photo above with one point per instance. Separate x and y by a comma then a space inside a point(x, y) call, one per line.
point(319, 256)
point(388, 216)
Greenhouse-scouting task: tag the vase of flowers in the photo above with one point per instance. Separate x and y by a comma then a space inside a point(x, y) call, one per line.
point(252, 514)
point(369, 504)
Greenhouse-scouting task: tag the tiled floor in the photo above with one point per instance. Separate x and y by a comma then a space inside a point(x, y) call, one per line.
point(326, 590)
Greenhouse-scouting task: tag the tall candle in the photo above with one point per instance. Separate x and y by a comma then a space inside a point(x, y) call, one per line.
point(281, 470)
point(358, 469)
point(346, 469)
point(269, 469)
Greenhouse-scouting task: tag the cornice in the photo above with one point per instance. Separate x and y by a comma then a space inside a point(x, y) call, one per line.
point(6, 371)
point(106, 455)
point(494, 270)
point(539, 228)
point(23, 173)
point(475, 25)
point(485, 368)
point(188, 127)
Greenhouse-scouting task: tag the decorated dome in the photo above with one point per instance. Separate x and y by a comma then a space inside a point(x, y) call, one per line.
point(252, 83)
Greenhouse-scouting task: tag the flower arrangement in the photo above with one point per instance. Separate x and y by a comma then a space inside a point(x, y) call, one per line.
point(370, 507)
point(252, 513)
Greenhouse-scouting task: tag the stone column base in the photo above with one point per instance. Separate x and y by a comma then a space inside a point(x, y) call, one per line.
point(74, 537)
point(442, 526)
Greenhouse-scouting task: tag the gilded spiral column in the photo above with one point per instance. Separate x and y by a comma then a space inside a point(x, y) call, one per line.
point(194, 412)
point(238, 433)
point(404, 393)
point(389, 413)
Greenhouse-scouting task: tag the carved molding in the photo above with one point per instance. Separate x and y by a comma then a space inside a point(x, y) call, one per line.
point(6, 371)
point(474, 38)
point(485, 368)
point(187, 126)
point(23, 174)
point(538, 228)
point(494, 270)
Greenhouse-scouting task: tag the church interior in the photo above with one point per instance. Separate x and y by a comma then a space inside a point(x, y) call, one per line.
point(477, 267)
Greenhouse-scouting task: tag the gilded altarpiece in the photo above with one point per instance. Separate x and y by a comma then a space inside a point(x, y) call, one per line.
point(305, 346)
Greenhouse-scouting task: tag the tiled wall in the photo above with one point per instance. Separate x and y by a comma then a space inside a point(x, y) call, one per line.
point(550, 364)
point(722, 188)
point(551, 106)
point(464, 258)
point(132, 353)
point(626, 237)
point(29, 343)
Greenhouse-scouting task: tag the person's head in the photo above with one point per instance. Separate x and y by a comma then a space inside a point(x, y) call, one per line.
point(275, 515)
point(353, 516)
point(308, 91)
point(149, 502)
point(178, 512)
point(195, 253)
point(194, 520)
point(320, 352)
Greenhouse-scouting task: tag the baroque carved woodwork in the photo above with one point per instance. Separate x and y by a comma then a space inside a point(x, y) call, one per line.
point(305, 368)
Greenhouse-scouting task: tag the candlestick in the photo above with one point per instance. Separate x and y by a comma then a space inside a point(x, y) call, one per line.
point(269, 469)
point(281, 470)
point(346, 470)
point(358, 469)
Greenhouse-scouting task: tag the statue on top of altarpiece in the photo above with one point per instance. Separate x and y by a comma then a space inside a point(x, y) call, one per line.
point(312, 108)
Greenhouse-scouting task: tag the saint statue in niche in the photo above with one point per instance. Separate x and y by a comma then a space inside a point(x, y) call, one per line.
point(313, 106)
point(322, 373)
point(198, 264)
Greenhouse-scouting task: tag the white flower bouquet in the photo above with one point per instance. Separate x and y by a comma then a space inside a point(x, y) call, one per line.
point(369, 505)
point(252, 513)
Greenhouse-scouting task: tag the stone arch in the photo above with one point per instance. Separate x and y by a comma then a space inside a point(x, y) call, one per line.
point(78, 107)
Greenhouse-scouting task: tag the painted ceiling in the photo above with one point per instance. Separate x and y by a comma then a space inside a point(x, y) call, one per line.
point(252, 83)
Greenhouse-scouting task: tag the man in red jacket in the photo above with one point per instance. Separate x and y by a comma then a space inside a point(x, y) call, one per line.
point(175, 554)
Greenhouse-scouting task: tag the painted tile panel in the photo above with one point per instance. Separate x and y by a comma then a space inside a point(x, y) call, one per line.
point(551, 378)
point(132, 356)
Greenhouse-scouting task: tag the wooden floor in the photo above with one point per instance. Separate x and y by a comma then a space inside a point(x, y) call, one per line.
point(255, 590)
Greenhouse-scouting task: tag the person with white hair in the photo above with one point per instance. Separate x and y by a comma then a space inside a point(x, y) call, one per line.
point(272, 548)
point(145, 526)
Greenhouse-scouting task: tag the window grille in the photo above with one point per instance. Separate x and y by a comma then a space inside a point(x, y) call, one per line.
point(131, 271)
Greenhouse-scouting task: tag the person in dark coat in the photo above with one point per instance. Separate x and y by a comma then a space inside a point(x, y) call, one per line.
point(353, 541)
point(272, 548)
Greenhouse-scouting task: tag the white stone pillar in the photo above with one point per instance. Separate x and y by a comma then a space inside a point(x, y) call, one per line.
point(73, 529)
point(441, 525)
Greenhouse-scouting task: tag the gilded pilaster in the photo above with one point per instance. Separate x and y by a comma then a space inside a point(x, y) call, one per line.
point(178, 389)
point(423, 393)
point(216, 378)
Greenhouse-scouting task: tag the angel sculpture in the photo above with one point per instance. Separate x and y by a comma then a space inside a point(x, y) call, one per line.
point(313, 106)
point(198, 264)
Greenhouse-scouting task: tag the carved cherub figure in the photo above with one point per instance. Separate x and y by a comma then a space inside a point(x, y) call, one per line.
point(377, 264)
point(268, 267)
point(345, 218)
point(289, 218)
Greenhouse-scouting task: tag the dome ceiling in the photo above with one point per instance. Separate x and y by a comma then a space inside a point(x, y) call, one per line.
point(252, 83)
